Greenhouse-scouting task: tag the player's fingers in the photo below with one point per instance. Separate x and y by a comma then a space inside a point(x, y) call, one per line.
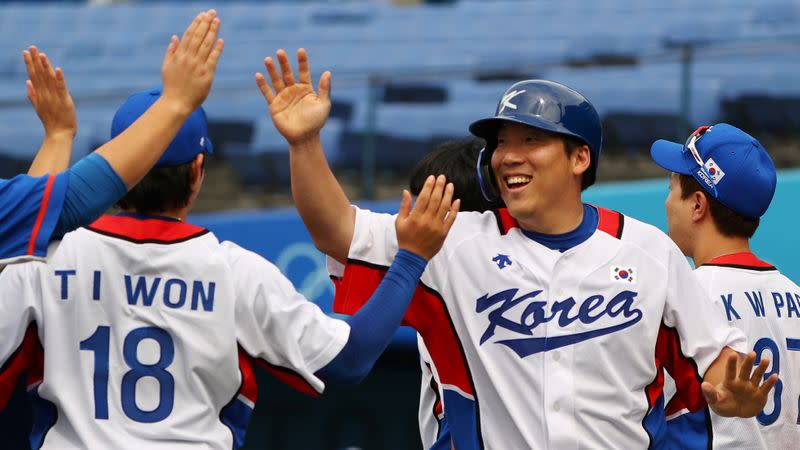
point(286, 68)
point(758, 374)
point(30, 91)
point(303, 67)
point(730, 367)
point(768, 384)
point(47, 67)
point(447, 201)
point(424, 195)
point(29, 67)
point(451, 215)
point(405, 205)
point(274, 76)
point(201, 32)
point(325, 86)
point(263, 86)
point(189, 32)
point(746, 365)
point(216, 52)
point(436, 195)
point(171, 47)
point(207, 45)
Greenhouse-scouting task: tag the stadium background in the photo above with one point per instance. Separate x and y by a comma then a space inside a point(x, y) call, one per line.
point(407, 75)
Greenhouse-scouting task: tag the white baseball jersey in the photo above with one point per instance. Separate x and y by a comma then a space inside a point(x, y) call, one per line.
point(763, 303)
point(148, 328)
point(541, 349)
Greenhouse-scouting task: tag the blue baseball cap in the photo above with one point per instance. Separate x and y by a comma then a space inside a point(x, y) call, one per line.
point(191, 140)
point(736, 169)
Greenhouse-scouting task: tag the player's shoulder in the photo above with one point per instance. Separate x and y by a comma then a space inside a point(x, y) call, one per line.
point(644, 234)
point(243, 261)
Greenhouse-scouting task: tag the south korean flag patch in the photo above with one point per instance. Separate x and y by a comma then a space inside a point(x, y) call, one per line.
point(624, 274)
point(714, 170)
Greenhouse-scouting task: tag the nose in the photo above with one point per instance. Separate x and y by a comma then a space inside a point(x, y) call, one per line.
point(509, 155)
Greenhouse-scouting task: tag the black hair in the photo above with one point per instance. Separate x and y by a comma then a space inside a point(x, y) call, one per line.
point(162, 189)
point(728, 222)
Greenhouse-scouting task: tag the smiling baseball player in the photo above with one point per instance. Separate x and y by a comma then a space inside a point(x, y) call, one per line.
point(549, 322)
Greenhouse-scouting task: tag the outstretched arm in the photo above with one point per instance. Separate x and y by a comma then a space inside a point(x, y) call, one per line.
point(420, 235)
point(299, 113)
point(49, 96)
point(731, 390)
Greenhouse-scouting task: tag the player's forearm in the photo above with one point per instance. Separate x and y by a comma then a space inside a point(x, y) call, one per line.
point(374, 325)
point(715, 373)
point(320, 200)
point(53, 156)
point(134, 152)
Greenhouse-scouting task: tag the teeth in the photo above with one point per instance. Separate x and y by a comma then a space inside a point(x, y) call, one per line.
point(518, 180)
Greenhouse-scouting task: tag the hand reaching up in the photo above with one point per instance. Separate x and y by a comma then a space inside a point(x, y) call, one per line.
point(422, 229)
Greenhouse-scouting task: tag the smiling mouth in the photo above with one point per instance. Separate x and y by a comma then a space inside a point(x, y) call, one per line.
point(517, 181)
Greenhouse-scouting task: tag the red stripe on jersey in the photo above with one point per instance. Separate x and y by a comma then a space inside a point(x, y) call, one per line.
point(28, 358)
point(290, 378)
point(742, 260)
point(426, 314)
point(249, 387)
point(610, 221)
point(682, 369)
point(505, 221)
point(48, 189)
point(146, 230)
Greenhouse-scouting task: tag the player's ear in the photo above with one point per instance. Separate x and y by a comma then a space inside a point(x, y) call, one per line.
point(581, 159)
point(197, 168)
point(700, 206)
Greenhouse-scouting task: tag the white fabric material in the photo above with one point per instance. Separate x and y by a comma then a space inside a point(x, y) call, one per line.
point(254, 306)
point(587, 393)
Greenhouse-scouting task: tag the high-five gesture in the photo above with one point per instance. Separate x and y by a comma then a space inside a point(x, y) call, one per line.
point(47, 91)
point(422, 229)
point(297, 111)
point(740, 394)
point(190, 63)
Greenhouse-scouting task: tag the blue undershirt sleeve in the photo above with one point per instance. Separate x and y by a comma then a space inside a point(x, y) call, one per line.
point(93, 187)
point(374, 325)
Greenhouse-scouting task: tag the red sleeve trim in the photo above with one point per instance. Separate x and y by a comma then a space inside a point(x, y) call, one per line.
point(249, 388)
point(289, 377)
point(27, 359)
point(682, 369)
point(48, 190)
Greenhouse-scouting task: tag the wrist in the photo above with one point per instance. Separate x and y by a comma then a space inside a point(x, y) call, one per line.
point(307, 143)
point(60, 135)
point(175, 105)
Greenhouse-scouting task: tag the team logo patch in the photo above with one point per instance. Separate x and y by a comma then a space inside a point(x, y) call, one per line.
point(506, 101)
point(715, 171)
point(502, 260)
point(624, 274)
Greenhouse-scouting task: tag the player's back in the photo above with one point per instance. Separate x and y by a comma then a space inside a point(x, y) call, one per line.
point(137, 322)
point(765, 304)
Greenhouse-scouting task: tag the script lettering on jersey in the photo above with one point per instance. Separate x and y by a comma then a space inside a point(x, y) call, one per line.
point(563, 312)
point(140, 290)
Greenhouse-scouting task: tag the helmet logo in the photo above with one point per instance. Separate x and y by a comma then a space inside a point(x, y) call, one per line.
point(505, 102)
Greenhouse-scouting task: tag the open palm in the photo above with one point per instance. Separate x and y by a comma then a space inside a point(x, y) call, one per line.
point(297, 111)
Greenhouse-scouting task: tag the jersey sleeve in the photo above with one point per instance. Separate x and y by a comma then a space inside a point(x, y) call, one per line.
point(19, 307)
point(277, 325)
point(29, 211)
point(702, 332)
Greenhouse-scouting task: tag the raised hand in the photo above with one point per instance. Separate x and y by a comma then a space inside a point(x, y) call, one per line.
point(740, 394)
point(48, 94)
point(297, 111)
point(191, 62)
point(422, 230)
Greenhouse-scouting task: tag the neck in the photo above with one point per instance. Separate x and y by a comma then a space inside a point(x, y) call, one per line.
point(707, 249)
point(557, 220)
point(179, 214)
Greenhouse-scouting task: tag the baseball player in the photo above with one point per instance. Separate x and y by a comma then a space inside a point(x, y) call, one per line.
point(456, 160)
point(34, 210)
point(722, 182)
point(148, 325)
point(548, 322)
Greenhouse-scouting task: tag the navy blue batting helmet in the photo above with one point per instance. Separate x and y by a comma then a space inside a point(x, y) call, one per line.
point(542, 104)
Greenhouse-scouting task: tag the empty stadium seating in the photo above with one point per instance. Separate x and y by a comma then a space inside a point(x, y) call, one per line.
point(460, 55)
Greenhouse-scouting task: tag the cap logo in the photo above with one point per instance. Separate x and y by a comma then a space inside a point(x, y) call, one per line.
point(506, 101)
point(714, 170)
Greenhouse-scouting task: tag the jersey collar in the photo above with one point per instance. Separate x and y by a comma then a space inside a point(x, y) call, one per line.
point(741, 260)
point(146, 229)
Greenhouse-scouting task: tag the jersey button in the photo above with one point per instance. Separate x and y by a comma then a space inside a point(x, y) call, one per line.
point(556, 356)
point(556, 407)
